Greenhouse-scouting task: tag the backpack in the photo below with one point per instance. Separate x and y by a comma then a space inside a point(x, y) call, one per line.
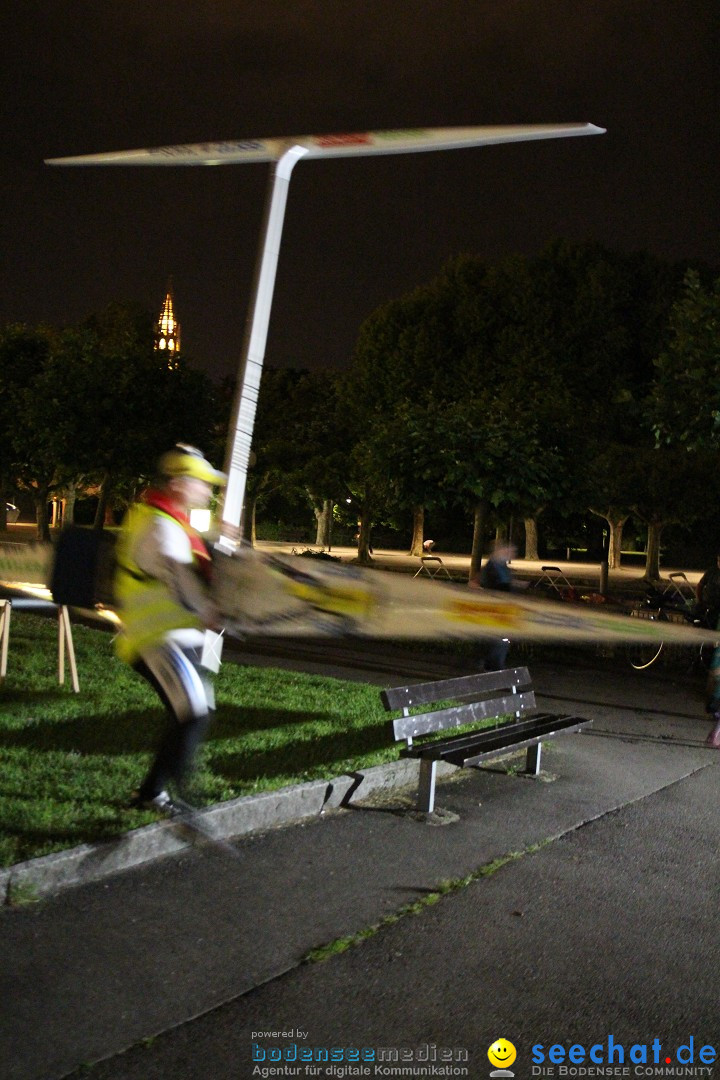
point(83, 568)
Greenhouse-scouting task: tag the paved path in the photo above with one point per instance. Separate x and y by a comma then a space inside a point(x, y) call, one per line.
point(606, 934)
point(608, 928)
point(390, 559)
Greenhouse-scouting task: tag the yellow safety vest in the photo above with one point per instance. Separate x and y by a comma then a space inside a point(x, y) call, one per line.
point(147, 608)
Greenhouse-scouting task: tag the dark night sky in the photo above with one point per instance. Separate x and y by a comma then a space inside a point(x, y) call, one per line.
point(84, 76)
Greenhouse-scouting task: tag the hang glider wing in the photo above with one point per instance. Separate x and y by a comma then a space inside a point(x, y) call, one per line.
point(340, 145)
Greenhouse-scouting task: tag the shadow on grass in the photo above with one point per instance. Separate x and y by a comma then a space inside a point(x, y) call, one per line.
point(28, 841)
point(128, 733)
point(234, 720)
point(31, 697)
point(138, 731)
point(307, 755)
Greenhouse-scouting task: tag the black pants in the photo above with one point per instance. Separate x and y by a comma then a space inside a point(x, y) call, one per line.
point(496, 656)
point(184, 689)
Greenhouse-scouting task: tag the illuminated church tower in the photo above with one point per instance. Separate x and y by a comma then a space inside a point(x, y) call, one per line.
point(167, 335)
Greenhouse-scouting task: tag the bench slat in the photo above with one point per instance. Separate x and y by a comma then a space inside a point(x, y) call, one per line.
point(406, 727)
point(475, 747)
point(404, 697)
point(573, 724)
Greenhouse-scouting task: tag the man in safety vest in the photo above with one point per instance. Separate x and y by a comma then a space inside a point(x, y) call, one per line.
point(161, 586)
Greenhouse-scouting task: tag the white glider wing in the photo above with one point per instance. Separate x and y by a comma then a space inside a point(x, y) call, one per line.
point(328, 146)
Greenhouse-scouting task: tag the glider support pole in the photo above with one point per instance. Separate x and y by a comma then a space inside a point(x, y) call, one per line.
point(240, 434)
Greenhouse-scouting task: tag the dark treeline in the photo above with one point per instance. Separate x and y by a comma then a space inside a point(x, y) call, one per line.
point(88, 409)
point(541, 389)
point(523, 395)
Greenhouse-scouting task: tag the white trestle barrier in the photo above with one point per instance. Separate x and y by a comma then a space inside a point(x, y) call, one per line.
point(65, 639)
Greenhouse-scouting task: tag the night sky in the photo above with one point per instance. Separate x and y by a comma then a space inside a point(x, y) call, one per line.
point(84, 77)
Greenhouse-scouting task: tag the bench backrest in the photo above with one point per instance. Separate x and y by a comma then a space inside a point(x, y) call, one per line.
point(478, 697)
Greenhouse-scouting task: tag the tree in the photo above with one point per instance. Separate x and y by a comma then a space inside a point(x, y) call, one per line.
point(558, 347)
point(579, 327)
point(94, 405)
point(411, 358)
point(298, 443)
point(401, 463)
point(128, 405)
point(485, 467)
point(42, 431)
point(685, 405)
point(612, 483)
point(23, 354)
point(672, 486)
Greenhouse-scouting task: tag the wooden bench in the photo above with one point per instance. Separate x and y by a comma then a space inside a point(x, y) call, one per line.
point(475, 699)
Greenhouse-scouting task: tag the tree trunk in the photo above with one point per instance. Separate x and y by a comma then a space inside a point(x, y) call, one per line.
point(41, 514)
point(68, 513)
point(318, 512)
point(652, 557)
point(616, 522)
point(479, 516)
point(3, 506)
point(323, 519)
point(101, 510)
point(531, 539)
point(416, 544)
point(364, 557)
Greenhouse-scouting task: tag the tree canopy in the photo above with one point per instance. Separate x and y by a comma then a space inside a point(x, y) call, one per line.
point(93, 405)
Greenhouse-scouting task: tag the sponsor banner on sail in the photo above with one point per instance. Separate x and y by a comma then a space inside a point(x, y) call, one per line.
point(273, 595)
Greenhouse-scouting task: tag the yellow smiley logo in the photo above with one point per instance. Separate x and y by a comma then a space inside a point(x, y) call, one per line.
point(502, 1054)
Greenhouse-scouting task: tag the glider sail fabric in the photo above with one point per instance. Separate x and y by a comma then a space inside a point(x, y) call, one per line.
point(351, 144)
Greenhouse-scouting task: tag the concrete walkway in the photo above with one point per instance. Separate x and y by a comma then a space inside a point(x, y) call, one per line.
point(607, 928)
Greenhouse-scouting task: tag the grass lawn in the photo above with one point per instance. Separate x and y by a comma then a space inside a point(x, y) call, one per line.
point(68, 762)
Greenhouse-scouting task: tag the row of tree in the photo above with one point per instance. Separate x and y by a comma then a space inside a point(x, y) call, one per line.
point(580, 378)
point(90, 408)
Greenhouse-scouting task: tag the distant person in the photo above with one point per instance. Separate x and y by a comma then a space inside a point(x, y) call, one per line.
point(428, 545)
point(497, 576)
point(496, 573)
point(162, 588)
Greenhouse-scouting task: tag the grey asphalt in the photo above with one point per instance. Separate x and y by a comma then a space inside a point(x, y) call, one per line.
point(607, 928)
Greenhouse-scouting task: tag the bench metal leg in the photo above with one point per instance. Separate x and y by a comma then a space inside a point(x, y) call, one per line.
point(534, 753)
point(426, 790)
